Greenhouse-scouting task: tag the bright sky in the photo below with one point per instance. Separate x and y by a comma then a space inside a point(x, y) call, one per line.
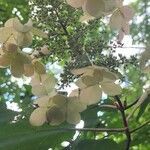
point(126, 2)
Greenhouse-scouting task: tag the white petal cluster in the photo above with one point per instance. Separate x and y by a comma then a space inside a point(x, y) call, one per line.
point(120, 20)
point(57, 109)
point(13, 37)
point(20, 63)
point(43, 85)
point(17, 60)
point(20, 34)
point(93, 81)
point(119, 15)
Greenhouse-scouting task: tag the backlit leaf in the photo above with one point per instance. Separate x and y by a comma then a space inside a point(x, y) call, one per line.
point(103, 144)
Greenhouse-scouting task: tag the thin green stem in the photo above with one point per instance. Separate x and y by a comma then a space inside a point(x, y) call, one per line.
point(88, 56)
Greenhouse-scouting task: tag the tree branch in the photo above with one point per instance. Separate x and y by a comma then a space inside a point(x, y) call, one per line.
point(107, 106)
point(125, 122)
point(132, 104)
point(115, 130)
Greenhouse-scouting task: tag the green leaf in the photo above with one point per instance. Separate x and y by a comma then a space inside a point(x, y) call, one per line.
point(141, 138)
point(20, 135)
point(143, 107)
point(89, 116)
point(104, 144)
point(23, 136)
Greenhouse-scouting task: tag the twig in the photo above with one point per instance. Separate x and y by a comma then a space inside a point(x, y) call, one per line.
point(108, 106)
point(134, 47)
point(88, 57)
point(61, 23)
point(115, 130)
point(132, 104)
point(144, 124)
point(125, 122)
point(137, 105)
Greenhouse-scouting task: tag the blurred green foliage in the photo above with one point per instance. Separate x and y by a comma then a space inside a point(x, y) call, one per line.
point(67, 39)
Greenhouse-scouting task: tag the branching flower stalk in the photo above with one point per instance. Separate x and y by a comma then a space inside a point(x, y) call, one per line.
point(88, 57)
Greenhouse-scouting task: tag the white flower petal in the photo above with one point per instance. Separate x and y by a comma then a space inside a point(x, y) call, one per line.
point(39, 90)
point(91, 95)
point(75, 104)
point(24, 39)
point(38, 117)
point(84, 70)
point(75, 3)
point(116, 20)
point(111, 88)
point(73, 117)
point(6, 34)
point(49, 82)
point(95, 8)
point(128, 12)
point(80, 83)
point(17, 25)
point(43, 101)
point(9, 23)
